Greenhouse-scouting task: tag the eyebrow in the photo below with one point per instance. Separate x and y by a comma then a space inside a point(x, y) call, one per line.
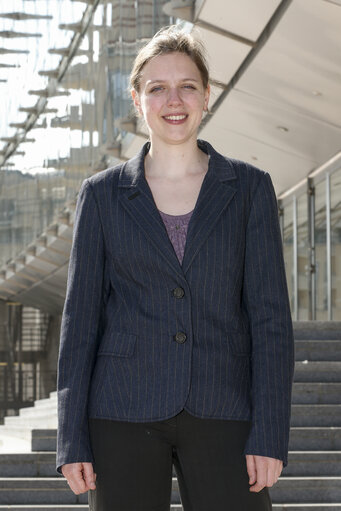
point(183, 80)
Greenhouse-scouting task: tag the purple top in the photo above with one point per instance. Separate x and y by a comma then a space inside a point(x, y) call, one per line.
point(176, 226)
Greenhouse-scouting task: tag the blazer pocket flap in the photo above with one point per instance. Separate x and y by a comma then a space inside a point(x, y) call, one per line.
point(240, 343)
point(119, 344)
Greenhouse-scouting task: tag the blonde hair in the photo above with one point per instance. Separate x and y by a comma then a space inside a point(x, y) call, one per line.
point(170, 40)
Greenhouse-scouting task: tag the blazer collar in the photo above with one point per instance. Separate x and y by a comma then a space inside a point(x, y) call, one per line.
point(216, 192)
point(132, 172)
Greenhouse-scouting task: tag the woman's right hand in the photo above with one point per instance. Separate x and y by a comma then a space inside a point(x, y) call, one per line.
point(80, 477)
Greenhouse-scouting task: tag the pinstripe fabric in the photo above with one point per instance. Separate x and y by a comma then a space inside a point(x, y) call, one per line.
point(118, 356)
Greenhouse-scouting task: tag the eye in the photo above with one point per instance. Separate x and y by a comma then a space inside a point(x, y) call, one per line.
point(156, 89)
point(189, 87)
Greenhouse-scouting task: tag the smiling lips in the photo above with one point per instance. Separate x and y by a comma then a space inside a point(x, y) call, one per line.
point(175, 119)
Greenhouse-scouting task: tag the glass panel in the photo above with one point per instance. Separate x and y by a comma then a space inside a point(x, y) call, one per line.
point(302, 257)
point(335, 220)
point(321, 252)
point(79, 132)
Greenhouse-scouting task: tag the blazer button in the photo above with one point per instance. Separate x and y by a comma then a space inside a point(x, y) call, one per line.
point(178, 292)
point(180, 337)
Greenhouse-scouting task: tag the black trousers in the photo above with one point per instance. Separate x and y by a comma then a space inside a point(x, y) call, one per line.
point(134, 460)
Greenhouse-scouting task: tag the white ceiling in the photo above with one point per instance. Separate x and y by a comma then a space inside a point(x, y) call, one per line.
point(218, 47)
point(246, 18)
point(294, 82)
point(302, 55)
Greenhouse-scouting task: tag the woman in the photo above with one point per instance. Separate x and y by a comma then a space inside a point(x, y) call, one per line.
point(176, 339)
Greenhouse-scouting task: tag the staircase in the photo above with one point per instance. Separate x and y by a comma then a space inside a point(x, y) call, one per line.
point(312, 479)
point(310, 482)
point(16, 433)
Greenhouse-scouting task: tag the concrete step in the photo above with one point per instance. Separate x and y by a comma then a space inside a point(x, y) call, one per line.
point(313, 463)
point(306, 507)
point(44, 440)
point(40, 403)
point(315, 415)
point(38, 490)
point(18, 439)
point(19, 431)
point(14, 440)
point(306, 490)
point(37, 464)
point(38, 421)
point(34, 411)
point(318, 350)
point(315, 439)
point(307, 371)
point(316, 393)
point(317, 329)
point(46, 507)
point(27, 439)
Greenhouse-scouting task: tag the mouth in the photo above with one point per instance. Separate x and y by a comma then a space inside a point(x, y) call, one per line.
point(175, 119)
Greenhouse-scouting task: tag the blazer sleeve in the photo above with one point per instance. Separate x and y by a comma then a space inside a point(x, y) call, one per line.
point(79, 327)
point(265, 296)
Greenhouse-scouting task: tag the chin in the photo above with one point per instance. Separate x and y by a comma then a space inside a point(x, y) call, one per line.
point(181, 138)
point(177, 140)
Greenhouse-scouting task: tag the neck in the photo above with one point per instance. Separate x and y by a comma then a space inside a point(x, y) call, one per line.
point(176, 161)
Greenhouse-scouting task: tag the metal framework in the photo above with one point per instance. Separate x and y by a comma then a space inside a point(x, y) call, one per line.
point(54, 81)
point(290, 199)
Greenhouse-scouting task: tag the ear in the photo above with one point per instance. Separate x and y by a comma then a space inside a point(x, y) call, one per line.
point(136, 100)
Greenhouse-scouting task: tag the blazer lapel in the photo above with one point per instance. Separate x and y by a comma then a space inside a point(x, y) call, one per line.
point(215, 194)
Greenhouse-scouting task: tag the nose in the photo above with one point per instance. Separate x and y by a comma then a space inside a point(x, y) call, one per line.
point(174, 97)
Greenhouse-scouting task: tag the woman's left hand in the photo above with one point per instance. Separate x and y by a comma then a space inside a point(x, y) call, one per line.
point(263, 471)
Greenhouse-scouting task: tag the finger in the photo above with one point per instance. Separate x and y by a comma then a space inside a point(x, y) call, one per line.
point(259, 485)
point(280, 469)
point(271, 473)
point(274, 470)
point(260, 482)
point(251, 468)
point(89, 476)
point(277, 465)
point(78, 486)
point(74, 476)
point(261, 475)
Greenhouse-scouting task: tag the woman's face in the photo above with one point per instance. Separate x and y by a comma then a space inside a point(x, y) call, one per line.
point(172, 98)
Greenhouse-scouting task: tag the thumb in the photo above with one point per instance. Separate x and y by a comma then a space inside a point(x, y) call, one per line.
point(251, 468)
point(89, 475)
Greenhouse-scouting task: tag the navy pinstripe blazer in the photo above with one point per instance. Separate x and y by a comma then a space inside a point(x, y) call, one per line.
point(134, 349)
